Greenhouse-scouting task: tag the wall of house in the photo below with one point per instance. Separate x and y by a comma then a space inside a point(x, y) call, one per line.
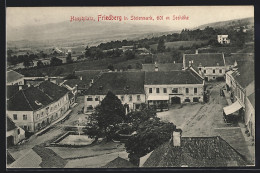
point(181, 91)
point(250, 88)
point(17, 133)
point(17, 82)
point(26, 124)
point(94, 100)
point(209, 72)
point(250, 117)
point(46, 115)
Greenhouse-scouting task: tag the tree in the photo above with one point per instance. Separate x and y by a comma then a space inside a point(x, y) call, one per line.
point(55, 61)
point(27, 62)
point(68, 58)
point(40, 64)
point(129, 54)
point(161, 46)
point(107, 116)
point(111, 67)
point(149, 135)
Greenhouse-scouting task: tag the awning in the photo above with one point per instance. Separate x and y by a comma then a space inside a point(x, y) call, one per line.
point(232, 108)
point(158, 97)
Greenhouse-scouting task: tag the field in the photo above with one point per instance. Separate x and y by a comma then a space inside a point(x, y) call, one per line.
point(177, 44)
point(63, 70)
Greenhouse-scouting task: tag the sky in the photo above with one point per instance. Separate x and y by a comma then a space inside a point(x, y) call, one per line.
point(198, 15)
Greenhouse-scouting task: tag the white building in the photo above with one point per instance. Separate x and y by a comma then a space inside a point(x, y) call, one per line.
point(173, 87)
point(223, 39)
point(210, 66)
point(14, 134)
point(127, 86)
point(34, 108)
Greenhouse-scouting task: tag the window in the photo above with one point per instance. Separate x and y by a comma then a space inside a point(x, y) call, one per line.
point(138, 97)
point(42, 113)
point(175, 90)
point(18, 131)
point(130, 98)
point(205, 71)
point(195, 90)
point(24, 117)
point(220, 71)
point(199, 69)
point(150, 90)
point(15, 116)
point(187, 90)
point(122, 98)
point(164, 90)
point(38, 116)
point(157, 90)
point(89, 98)
point(213, 70)
point(137, 106)
point(97, 98)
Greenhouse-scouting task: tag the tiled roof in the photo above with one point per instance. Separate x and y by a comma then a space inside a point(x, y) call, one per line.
point(172, 77)
point(251, 98)
point(13, 89)
point(13, 76)
point(10, 124)
point(118, 83)
point(26, 100)
point(196, 152)
point(52, 90)
point(162, 67)
point(204, 59)
point(230, 60)
point(245, 73)
point(34, 98)
point(119, 163)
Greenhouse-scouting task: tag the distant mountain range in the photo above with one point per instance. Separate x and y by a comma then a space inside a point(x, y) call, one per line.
point(93, 33)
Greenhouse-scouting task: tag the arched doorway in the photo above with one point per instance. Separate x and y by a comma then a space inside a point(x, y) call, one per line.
point(187, 100)
point(176, 100)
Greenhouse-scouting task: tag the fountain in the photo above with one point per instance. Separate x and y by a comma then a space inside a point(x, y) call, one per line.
point(76, 138)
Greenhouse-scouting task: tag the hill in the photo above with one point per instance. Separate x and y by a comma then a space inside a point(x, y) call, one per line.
point(229, 23)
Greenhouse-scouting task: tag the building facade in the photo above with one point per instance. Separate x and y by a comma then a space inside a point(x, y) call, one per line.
point(223, 39)
point(127, 86)
point(14, 78)
point(34, 108)
point(211, 66)
point(173, 87)
point(14, 134)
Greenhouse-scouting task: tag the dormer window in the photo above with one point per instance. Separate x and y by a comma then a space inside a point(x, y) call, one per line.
point(38, 103)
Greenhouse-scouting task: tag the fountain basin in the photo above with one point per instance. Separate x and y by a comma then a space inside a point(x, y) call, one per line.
point(72, 139)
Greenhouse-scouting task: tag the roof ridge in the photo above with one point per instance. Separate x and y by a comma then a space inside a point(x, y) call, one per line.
point(27, 100)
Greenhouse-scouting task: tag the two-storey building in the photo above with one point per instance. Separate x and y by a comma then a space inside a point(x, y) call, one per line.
point(36, 107)
point(173, 87)
point(210, 66)
point(127, 86)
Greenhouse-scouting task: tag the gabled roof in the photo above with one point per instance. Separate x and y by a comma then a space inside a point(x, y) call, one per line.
point(245, 73)
point(118, 83)
point(204, 59)
point(10, 124)
point(172, 77)
point(196, 152)
point(251, 98)
point(12, 76)
point(13, 89)
point(26, 100)
point(34, 98)
point(230, 60)
point(52, 90)
point(162, 67)
point(119, 163)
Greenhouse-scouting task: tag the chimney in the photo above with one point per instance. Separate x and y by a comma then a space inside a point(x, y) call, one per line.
point(173, 62)
point(115, 70)
point(176, 138)
point(46, 78)
point(20, 87)
point(189, 63)
point(197, 51)
point(92, 81)
point(80, 78)
point(121, 70)
point(156, 69)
